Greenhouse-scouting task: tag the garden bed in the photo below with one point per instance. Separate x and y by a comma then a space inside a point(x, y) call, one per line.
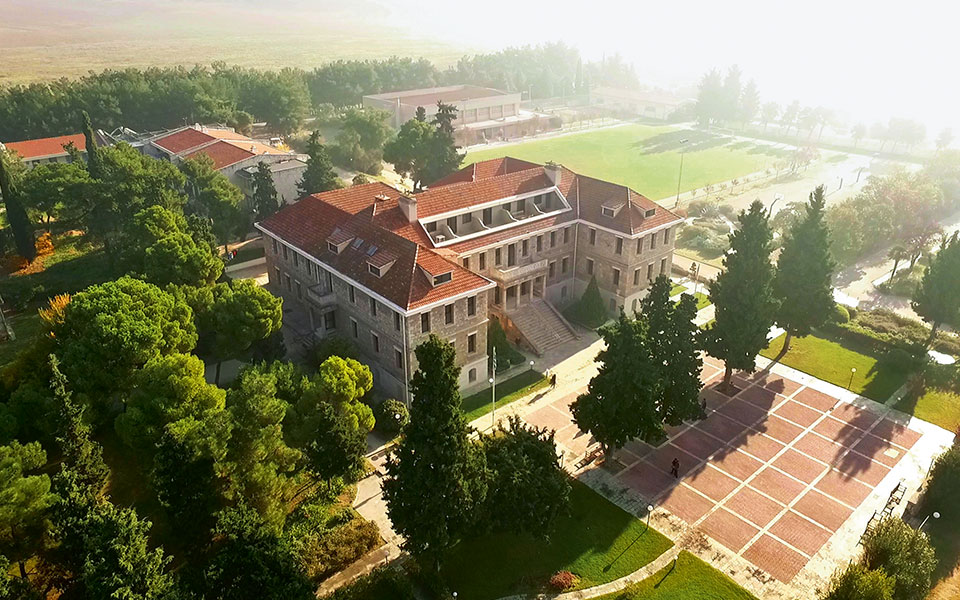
point(518, 386)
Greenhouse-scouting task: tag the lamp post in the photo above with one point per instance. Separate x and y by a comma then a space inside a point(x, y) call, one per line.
point(680, 176)
point(493, 387)
point(853, 371)
point(649, 510)
point(935, 515)
point(776, 198)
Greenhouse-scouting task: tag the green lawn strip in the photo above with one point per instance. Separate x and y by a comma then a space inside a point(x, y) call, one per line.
point(830, 361)
point(516, 387)
point(645, 157)
point(678, 288)
point(712, 260)
point(74, 265)
point(686, 579)
point(248, 252)
point(937, 406)
point(597, 540)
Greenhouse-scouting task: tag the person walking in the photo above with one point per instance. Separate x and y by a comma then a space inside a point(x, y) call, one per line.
point(553, 381)
point(675, 468)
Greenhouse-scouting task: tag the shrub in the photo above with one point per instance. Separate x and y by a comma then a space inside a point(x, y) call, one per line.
point(562, 581)
point(589, 310)
point(331, 346)
point(944, 486)
point(898, 358)
point(856, 582)
point(840, 314)
point(329, 551)
point(392, 416)
point(903, 553)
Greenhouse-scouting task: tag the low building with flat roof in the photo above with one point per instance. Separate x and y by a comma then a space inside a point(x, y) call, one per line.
point(45, 150)
point(483, 114)
point(643, 103)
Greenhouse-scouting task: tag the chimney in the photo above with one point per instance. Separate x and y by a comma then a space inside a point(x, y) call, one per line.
point(409, 207)
point(552, 170)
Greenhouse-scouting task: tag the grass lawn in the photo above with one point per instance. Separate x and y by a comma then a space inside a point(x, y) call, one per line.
point(712, 260)
point(516, 387)
point(702, 300)
point(26, 326)
point(940, 407)
point(686, 579)
point(644, 157)
point(828, 360)
point(597, 541)
point(678, 288)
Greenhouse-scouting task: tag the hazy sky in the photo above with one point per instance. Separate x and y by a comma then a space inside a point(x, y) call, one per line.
point(873, 59)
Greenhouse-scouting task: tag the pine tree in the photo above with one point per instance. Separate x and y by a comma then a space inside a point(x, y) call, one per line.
point(937, 298)
point(803, 281)
point(590, 309)
point(743, 295)
point(444, 156)
point(421, 114)
point(673, 344)
point(81, 455)
point(265, 201)
point(319, 175)
point(436, 478)
point(94, 162)
point(621, 400)
point(20, 223)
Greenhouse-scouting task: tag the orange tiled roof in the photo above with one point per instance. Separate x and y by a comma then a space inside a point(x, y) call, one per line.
point(223, 154)
point(51, 146)
point(485, 170)
point(185, 139)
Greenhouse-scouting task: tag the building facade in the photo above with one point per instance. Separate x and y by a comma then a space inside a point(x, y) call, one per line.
point(483, 114)
point(504, 239)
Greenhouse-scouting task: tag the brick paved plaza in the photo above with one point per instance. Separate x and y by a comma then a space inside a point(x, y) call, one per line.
point(772, 472)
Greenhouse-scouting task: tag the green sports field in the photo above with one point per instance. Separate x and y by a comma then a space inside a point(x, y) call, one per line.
point(646, 157)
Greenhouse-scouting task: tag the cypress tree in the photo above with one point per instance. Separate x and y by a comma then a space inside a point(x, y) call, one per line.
point(264, 192)
point(436, 478)
point(803, 281)
point(94, 162)
point(937, 298)
point(19, 221)
point(319, 175)
point(81, 455)
point(743, 295)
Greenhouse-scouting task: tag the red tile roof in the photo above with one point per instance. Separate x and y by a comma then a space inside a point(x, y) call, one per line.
point(443, 199)
point(309, 222)
point(51, 146)
point(185, 139)
point(223, 154)
point(485, 170)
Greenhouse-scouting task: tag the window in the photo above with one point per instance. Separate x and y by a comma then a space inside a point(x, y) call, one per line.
point(328, 276)
point(539, 243)
point(639, 245)
point(466, 262)
point(593, 237)
point(553, 239)
point(431, 227)
point(606, 211)
point(373, 307)
point(448, 314)
point(471, 306)
point(497, 295)
point(398, 359)
point(354, 328)
point(487, 215)
point(524, 248)
point(497, 257)
point(551, 270)
point(483, 261)
point(289, 282)
point(296, 259)
point(333, 248)
point(375, 340)
point(373, 270)
point(353, 294)
point(653, 242)
point(663, 266)
point(511, 255)
point(650, 272)
point(563, 264)
point(425, 322)
point(467, 218)
point(396, 321)
point(566, 235)
point(285, 253)
point(518, 206)
point(276, 270)
point(330, 320)
point(616, 277)
point(471, 343)
point(299, 291)
point(589, 266)
point(442, 278)
point(472, 375)
point(619, 249)
point(666, 236)
point(276, 247)
point(636, 277)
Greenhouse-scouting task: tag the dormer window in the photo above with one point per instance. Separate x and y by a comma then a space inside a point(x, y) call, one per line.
point(333, 248)
point(649, 213)
point(442, 278)
point(373, 270)
point(607, 211)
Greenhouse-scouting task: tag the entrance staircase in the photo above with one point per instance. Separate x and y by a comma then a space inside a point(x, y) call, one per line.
point(542, 326)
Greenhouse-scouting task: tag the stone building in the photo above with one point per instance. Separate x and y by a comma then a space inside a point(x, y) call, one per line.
point(504, 239)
